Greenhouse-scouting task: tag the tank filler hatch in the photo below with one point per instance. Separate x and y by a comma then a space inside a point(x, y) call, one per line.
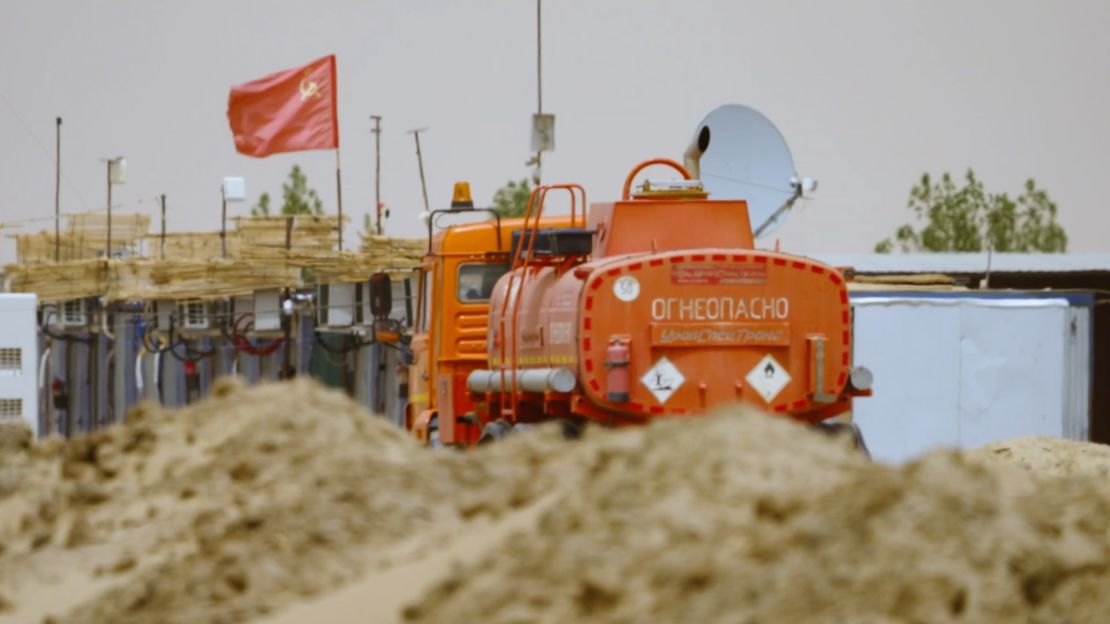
point(671, 189)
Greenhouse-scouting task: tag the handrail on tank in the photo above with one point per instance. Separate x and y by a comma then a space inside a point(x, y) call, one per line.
point(531, 228)
point(626, 194)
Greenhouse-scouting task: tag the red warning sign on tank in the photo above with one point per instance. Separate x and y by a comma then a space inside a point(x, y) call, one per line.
point(768, 378)
point(711, 273)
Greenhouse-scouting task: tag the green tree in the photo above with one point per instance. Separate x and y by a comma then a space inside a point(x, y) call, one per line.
point(511, 200)
point(297, 197)
point(968, 218)
point(262, 208)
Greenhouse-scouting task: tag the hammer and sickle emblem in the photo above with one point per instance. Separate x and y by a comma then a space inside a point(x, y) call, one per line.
point(309, 88)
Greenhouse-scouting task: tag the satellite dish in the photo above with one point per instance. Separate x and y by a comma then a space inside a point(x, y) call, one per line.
point(739, 154)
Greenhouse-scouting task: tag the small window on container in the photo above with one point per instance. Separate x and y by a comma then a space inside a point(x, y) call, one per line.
point(11, 361)
point(11, 409)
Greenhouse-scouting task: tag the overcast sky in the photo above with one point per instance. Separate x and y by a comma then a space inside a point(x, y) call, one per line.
point(868, 93)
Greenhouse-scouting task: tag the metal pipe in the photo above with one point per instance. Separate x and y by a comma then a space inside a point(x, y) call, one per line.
point(339, 197)
point(789, 203)
point(104, 325)
point(691, 158)
point(223, 221)
point(529, 380)
point(162, 243)
point(57, 189)
point(108, 243)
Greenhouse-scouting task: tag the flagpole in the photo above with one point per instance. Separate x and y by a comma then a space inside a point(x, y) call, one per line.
point(339, 197)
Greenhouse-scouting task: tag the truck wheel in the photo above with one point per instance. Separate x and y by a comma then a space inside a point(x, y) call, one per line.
point(433, 434)
point(501, 428)
point(848, 429)
point(571, 430)
point(495, 431)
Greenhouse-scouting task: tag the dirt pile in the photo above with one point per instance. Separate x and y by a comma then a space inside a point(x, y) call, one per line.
point(750, 519)
point(232, 508)
point(258, 502)
point(1048, 456)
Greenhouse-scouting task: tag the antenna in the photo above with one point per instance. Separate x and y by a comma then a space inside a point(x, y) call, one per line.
point(739, 154)
point(415, 132)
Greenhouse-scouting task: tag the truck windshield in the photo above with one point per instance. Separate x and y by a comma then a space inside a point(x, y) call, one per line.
point(476, 280)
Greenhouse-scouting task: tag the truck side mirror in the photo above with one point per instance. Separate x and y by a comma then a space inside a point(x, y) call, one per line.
point(381, 295)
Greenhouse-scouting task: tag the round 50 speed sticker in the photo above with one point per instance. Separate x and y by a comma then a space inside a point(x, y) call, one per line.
point(626, 288)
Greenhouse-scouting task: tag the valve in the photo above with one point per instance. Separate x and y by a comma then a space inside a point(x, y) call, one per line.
point(192, 382)
point(58, 394)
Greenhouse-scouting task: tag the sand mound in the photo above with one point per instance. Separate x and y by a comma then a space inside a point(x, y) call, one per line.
point(1045, 455)
point(749, 519)
point(228, 509)
point(14, 437)
point(261, 501)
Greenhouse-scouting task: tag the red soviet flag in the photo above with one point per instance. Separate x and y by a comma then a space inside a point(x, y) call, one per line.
point(288, 111)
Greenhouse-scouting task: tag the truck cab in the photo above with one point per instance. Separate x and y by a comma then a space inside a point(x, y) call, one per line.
point(456, 281)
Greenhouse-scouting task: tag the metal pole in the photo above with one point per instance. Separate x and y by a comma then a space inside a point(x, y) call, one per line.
point(70, 389)
point(162, 245)
point(377, 171)
point(58, 189)
point(122, 367)
point(223, 220)
point(539, 58)
point(287, 371)
point(339, 198)
point(420, 162)
point(108, 250)
point(539, 82)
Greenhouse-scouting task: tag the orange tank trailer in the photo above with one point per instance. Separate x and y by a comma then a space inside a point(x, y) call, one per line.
point(657, 305)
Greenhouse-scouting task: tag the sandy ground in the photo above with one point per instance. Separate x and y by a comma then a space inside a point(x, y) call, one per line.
point(285, 504)
point(1052, 457)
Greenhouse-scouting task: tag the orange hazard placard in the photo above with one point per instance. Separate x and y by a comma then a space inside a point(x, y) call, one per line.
point(719, 334)
point(714, 273)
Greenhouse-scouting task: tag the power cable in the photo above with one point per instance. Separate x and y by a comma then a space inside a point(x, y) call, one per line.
point(45, 151)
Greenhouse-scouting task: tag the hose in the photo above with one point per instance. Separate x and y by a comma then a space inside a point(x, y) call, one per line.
point(43, 361)
point(144, 338)
point(190, 356)
point(245, 346)
point(104, 328)
point(139, 370)
point(45, 427)
point(354, 346)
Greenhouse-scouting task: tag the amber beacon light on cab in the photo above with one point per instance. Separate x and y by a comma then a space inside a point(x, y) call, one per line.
point(657, 305)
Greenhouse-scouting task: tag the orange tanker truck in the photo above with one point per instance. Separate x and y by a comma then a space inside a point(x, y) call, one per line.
point(657, 305)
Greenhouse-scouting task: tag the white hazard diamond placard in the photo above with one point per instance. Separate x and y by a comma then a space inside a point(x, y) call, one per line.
point(663, 379)
point(768, 378)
